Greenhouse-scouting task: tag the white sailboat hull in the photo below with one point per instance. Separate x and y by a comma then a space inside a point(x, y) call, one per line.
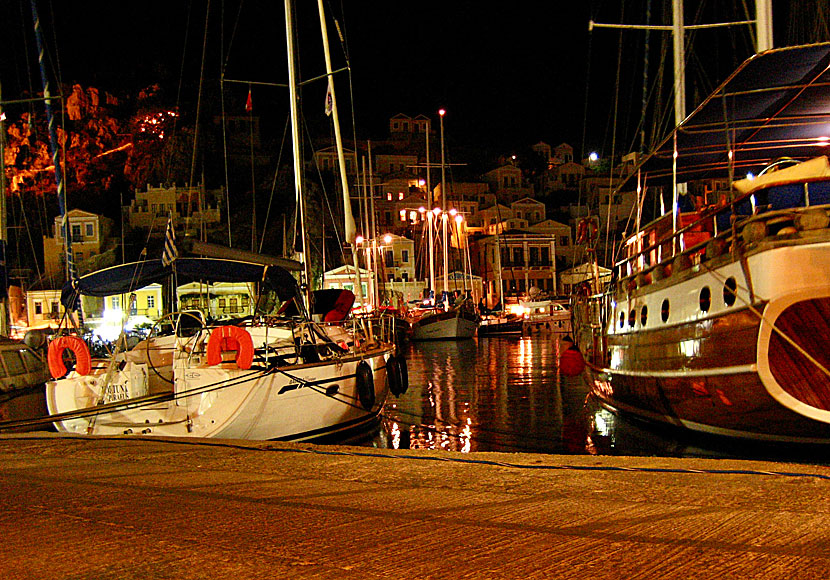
point(443, 327)
point(301, 402)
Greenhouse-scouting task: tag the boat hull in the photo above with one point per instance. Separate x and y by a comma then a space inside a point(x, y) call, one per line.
point(754, 369)
point(298, 403)
point(451, 325)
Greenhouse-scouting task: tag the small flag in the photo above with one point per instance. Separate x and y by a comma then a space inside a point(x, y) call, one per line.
point(329, 100)
point(170, 252)
point(249, 106)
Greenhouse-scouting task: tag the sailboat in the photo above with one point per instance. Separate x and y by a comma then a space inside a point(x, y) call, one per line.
point(717, 320)
point(299, 367)
point(451, 317)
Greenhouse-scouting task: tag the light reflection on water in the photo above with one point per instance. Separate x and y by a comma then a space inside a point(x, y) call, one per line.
point(506, 394)
point(489, 394)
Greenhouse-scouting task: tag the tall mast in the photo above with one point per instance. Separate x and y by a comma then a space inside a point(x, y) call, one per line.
point(295, 138)
point(441, 114)
point(4, 292)
point(66, 231)
point(430, 217)
point(350, 229)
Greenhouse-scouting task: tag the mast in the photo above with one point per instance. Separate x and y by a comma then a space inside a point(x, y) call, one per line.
point(430, 215)
point(341, 160)
point(53, 142)
point(441, 114)
point(4, 292)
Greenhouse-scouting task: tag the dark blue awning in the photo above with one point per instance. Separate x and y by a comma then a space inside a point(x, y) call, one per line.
point(776, 104)
point(127, 278)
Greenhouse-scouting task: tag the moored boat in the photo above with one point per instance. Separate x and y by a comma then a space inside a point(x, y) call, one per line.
point(718, 320)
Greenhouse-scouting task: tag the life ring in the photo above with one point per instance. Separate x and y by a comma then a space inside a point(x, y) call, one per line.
point(83, 360)
point(365, 385)
point(586, 231)
point(225, 338)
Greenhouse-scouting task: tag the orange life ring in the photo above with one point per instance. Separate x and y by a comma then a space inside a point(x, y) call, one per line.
point(83, 360)
point(586, 231)
point(227, 338)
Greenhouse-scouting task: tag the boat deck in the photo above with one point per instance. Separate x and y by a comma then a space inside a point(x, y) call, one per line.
point(82, 508)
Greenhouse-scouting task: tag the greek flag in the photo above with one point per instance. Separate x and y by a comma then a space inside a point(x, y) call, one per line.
point(170, 252)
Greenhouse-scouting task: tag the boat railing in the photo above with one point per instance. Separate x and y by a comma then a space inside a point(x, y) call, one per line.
point(712, 239)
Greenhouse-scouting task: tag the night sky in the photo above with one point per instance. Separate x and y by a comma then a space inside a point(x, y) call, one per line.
point(509, 74)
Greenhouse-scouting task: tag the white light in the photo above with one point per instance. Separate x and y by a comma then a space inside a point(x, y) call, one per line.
point(358, 240)
point(593, 156)
point(750, 176)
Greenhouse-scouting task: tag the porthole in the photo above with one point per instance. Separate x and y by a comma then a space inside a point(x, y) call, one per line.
point(622, 319)
point(643, 315)
point(664, 310)
point(705, 299)
point(632, 317)
point(730, 291)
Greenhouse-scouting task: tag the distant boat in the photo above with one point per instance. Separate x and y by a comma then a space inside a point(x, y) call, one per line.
point(501, 324)
point(718, 319)
point(546, 315)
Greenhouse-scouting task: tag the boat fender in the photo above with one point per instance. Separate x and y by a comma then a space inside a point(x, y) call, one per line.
point(365, 384)
point(393, 376)
point(230, 337)
point(404, 371)
point(571, 363)
point(83, 360)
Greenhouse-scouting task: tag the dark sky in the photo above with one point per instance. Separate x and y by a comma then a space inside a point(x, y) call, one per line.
point(509, 74)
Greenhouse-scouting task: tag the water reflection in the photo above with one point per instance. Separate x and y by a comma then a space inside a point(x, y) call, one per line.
point(506, 394)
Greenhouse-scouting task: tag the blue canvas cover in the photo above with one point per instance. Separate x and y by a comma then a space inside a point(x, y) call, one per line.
point(128, 278)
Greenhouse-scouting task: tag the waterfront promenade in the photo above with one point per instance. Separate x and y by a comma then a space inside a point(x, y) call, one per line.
point(128, 508)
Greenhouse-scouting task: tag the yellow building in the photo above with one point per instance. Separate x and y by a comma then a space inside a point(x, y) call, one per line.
point(89, 234)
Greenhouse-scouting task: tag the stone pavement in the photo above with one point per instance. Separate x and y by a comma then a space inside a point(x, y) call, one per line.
point(130, 508)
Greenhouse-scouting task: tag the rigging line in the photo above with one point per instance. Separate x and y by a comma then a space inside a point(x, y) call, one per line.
point(196, 125)
point(613, 138)
point(273, 184)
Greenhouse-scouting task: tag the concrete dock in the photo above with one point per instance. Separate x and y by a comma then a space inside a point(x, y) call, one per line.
point(129, 508)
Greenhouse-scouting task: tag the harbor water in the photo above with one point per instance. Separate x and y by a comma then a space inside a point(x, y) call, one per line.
point(506, 394)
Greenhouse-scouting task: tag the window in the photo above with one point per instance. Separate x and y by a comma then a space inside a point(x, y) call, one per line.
point(390, 259)
point(730, 291)
point(403, 215)
point(664, 311)
point(234, 305)
point(405, 276)
point(405, 256)
point(705, 299)
point(222, 303)
point(115, 302)
point(151, 302)
point(54, 307)
point(90, 232)
point(644, 315)
point(400, 195)
point(38, 307)
point(76, 231)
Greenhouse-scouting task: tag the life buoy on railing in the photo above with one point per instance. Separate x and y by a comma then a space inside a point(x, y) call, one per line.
point(83, 360)
point(586, 231)
point(225, 338)
point(365, 385)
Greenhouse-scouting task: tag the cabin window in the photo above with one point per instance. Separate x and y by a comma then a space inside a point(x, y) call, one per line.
point(730, 291)
point(234, 305)
point(622, 319)
point(643, 315)
point(705, 299)
point(222, 303)
point(632, 317)
point(664, 310)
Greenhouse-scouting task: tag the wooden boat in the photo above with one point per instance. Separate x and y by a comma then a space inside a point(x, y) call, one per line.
point(501, 323)
point(718, 320)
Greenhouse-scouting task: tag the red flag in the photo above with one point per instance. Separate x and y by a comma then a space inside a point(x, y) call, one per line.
point(248, 105)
